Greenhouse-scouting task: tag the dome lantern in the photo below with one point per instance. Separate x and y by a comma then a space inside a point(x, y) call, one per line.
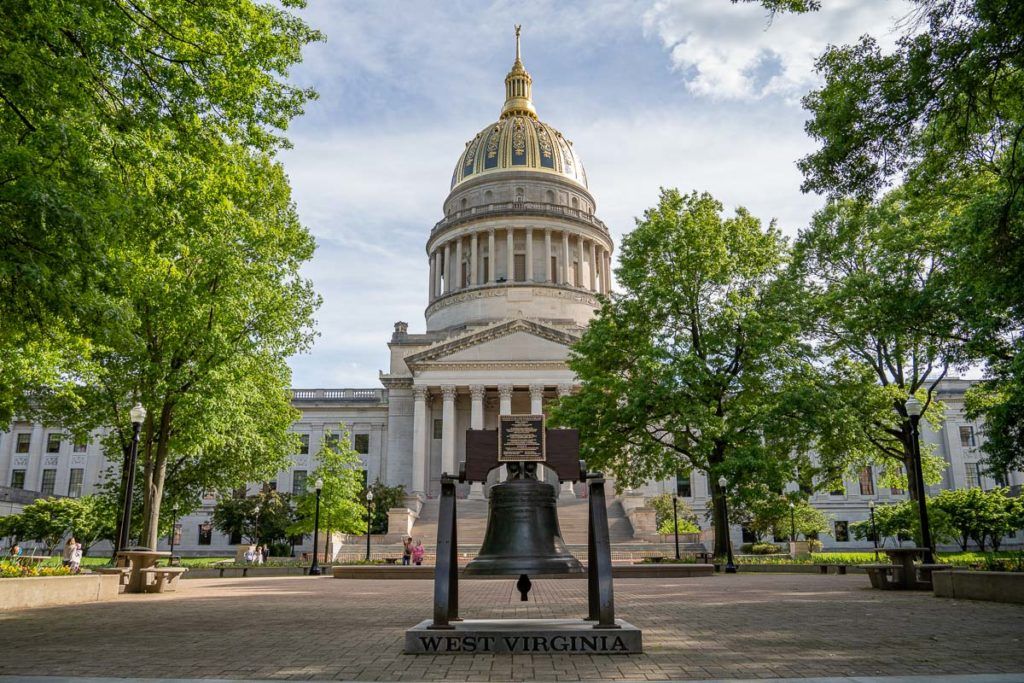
point(517, 88)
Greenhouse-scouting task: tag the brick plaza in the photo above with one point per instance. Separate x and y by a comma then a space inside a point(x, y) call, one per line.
point(304, 628)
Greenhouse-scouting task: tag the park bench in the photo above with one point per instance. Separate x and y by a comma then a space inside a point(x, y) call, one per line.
point(824, 568)
point(884, 576)
point(124, 573)
point(160, 579)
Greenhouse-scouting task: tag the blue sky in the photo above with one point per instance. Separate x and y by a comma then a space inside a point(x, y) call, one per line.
point(694, 94)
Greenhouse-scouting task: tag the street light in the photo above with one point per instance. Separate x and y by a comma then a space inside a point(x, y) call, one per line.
point(369, 518)
point(174, 524)
point(314, 569)
point(138, 416)
point(730, 568)
point(874, 533)
point(792, 521)
point(675, 520)
point(256, 530)
point(914, 410)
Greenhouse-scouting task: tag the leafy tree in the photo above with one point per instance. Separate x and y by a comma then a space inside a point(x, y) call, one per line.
point(49, 520)
point(342, 499)
point(261, 518)
point(981, 516)
point(762, 512)
point(384, 498)
point(698, 362)
point(944, 113)
point(901, 521)
point(93, 519)
point(662, 505)
point(869, 273)
point(94, 93)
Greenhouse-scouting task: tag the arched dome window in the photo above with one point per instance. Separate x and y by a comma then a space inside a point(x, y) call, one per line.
point(519, 194)
point(463, 203)
point(575, 203)
point(489, 197)
point(550, 197)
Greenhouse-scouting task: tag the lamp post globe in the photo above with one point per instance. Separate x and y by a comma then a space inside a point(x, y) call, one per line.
point(914, 410)
point(369, 518)
point(730, 567)
point(314, 568)
point(675, 521)
point(137, 414)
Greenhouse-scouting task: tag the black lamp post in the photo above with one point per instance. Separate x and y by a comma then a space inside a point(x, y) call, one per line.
point(174, 525)
point(730, 568)
point(138, 416)
point(369, 518)
point(874, 531)
point(314, 569)
point(675, 521)
point(914, 410)
point(792, 522)
point(256, 530)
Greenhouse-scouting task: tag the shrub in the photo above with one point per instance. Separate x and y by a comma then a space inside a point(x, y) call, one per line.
point(15, 570)
point(760, 548)
point(280, 549)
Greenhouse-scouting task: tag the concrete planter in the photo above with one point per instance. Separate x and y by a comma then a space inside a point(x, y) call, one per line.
point(969, 585)
point(619, 571)
point(49, 591)
point(243, 572)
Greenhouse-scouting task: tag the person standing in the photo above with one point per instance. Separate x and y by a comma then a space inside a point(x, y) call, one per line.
point(417, 553)
point(76, 559)
point(266, 553)
point(69, 549)
point(406, 550)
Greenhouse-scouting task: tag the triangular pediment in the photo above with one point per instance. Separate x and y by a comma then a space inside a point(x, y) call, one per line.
point(513, 341)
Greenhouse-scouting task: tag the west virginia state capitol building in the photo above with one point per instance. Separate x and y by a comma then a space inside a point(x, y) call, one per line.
point(515, 267)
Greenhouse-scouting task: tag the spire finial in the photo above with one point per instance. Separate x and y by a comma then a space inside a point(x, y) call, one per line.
point(519, 27)
point(517, 87)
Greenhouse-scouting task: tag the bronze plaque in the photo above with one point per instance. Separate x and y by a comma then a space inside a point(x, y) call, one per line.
point(521, 438)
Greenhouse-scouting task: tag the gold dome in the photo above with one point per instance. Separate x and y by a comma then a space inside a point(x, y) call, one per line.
point(519, 141)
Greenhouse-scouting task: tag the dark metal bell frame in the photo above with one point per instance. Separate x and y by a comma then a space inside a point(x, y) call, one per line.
point(523, 536)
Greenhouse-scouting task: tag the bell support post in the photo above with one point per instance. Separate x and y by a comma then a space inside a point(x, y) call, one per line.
point(446, 578)
point(599, 558)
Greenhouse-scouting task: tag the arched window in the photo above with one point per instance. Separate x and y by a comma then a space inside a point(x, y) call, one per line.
point(575, 203)
point(488, 197)
point(463, 203)
point(519, 194)
point(550, 197)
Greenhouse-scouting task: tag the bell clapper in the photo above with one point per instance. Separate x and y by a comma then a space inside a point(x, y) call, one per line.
point(523, 585)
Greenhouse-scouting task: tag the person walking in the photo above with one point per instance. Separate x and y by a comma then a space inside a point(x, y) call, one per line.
point(406, 550)
point(417, 553)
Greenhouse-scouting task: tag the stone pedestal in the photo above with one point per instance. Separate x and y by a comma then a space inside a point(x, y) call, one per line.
point(644, 521)
point(799, 549)
point(524, 636)
point(476, 491)
point(567, 490)
point(400, 522)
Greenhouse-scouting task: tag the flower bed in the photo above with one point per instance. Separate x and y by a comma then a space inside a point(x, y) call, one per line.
point(15, 570)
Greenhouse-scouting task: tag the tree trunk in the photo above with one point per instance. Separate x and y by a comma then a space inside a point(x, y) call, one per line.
point(156, 471)
point(908, 459)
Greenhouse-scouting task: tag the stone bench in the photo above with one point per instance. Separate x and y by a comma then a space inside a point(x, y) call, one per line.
point(123, 574)
point(884, 576)
point(823, 568)
point(163, 578)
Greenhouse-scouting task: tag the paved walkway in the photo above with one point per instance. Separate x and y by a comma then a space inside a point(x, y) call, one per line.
point(743, 627)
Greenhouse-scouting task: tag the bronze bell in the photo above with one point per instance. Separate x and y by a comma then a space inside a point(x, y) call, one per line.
point(522, 534)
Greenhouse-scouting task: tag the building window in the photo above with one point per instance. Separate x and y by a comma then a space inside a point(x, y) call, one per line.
point(683, 487)
point(270, 486)
point(361, 442)
point(867, 484)
point(235, 538)
point(298, 482)
point(331, 441)
point(79, 447)
point(303, 444)
point(205, 534)
point(18, 479)
point(842, 534)
point(838, 491)
point(973, 474)
point(485, 276)
point(49, 482)
point(967, 436)
point(24, 441)
point(75, 482)
point(519, 267)
point(53, 443)
point(438, 428)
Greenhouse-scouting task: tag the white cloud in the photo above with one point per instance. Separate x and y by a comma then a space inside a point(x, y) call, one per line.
point(738, 52)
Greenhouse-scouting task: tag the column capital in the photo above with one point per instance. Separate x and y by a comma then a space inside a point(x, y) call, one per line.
point(420, 392)
point(477, 391)
point(536, 391)
point(448, 392)
point(564, 389)
point(505, 391)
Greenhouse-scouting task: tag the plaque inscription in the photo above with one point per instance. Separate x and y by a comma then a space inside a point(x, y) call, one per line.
point(521, 438)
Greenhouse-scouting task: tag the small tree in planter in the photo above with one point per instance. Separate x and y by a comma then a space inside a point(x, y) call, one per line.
point(662, 506)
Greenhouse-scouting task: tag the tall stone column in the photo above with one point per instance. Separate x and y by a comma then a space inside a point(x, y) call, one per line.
point(504, 408)
point(419, 440)
point(510, 255)
point(567, 489)
point(438, 266)
point(430, 286)
point(536, 399)
point(607, 272)
point(565, 259)
point(448, 430)
point(593, 266)
point(447, 267)
point(458, 263)
point(548, 275)
point(529, 254)
point(473, 255)
point(476, 421)
point(491, 257)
